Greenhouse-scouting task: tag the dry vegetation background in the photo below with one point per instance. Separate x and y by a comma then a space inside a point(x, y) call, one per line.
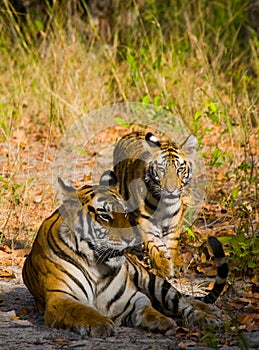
point(197, 59)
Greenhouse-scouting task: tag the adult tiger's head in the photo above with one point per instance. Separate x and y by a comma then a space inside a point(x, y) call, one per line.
point(95, 217)
point(169, 167)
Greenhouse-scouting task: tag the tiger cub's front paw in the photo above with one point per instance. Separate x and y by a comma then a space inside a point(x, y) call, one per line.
point(162, 265)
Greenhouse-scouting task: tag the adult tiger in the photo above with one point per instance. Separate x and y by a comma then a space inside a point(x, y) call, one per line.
point(152, 175)
point(81, 280)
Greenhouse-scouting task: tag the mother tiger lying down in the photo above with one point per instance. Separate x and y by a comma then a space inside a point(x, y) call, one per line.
point(83, 280)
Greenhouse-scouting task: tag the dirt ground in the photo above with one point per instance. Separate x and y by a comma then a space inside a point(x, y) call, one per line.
point(21, 327)
point(24, 208)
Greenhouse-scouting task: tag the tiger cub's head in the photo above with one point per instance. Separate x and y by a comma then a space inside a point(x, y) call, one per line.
point(169, 166)
point(95, 220)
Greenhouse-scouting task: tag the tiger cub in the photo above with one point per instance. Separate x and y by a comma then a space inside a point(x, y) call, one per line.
point(83, 280)
point(152, 175)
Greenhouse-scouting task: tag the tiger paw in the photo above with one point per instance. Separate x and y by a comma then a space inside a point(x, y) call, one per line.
point(97, 329)
point(162, 265)
point(79, 318)
point(198, 314)
point(154, 321)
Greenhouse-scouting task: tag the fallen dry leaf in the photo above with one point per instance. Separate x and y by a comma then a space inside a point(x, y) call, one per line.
point(251, 321)
point(185, 344)
point(182, 280)
point(6, 273)
point(209, 271)
point(15, 318)
point(59, 340)
point(5, 249)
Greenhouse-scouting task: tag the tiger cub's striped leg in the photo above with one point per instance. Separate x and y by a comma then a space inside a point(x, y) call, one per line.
point(159, 255)
point(172, 233)
point(171, 241)
point(67, 313)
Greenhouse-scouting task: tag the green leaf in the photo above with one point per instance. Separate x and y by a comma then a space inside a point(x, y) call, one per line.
point(145, 100)
point(213, 107)
point(251, 264)
point(156, 100)
point(6, 128)
point(39, 25)
point(121, 122)
point(190, 233)
point(81, 150)
point(234, 193)
point(197, 116)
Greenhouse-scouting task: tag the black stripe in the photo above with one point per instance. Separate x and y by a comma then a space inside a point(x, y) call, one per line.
point(90, 231)
point(118, 294)
point(176, 302)
point(77, 243)
point(73, 278)
point(156, 247)
point(223, 270)
point(54, 222)
point(126, 193)
point(150, 205)
point(109, 279)
point(213, 295)
point(166, 286)
point(91, 209)
point(171, 215)
point(144, 216)
point(62, 255)
point(136, 276)
point(152, 290)
point(127, 321)
point(64, 292)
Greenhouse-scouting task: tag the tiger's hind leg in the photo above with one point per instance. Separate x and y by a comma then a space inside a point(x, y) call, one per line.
point(154, 321)
point(66, 313)
point(142, 314)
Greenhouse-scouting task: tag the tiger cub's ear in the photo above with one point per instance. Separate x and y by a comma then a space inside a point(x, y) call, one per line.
point(152, 140)
point(189, 146)
point(108, 178)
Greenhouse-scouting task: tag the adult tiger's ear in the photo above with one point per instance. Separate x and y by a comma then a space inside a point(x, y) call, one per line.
point(66, 189)
point(189, 146)
point(69, 197)
point(108, 178)
point(152, 140)
point(69, 210)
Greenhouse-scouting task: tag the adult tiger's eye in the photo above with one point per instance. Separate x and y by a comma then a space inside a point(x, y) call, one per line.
point(105, 217)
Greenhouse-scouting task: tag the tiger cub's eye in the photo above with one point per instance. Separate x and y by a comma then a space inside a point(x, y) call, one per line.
point(154, 174)
point(161, 170)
